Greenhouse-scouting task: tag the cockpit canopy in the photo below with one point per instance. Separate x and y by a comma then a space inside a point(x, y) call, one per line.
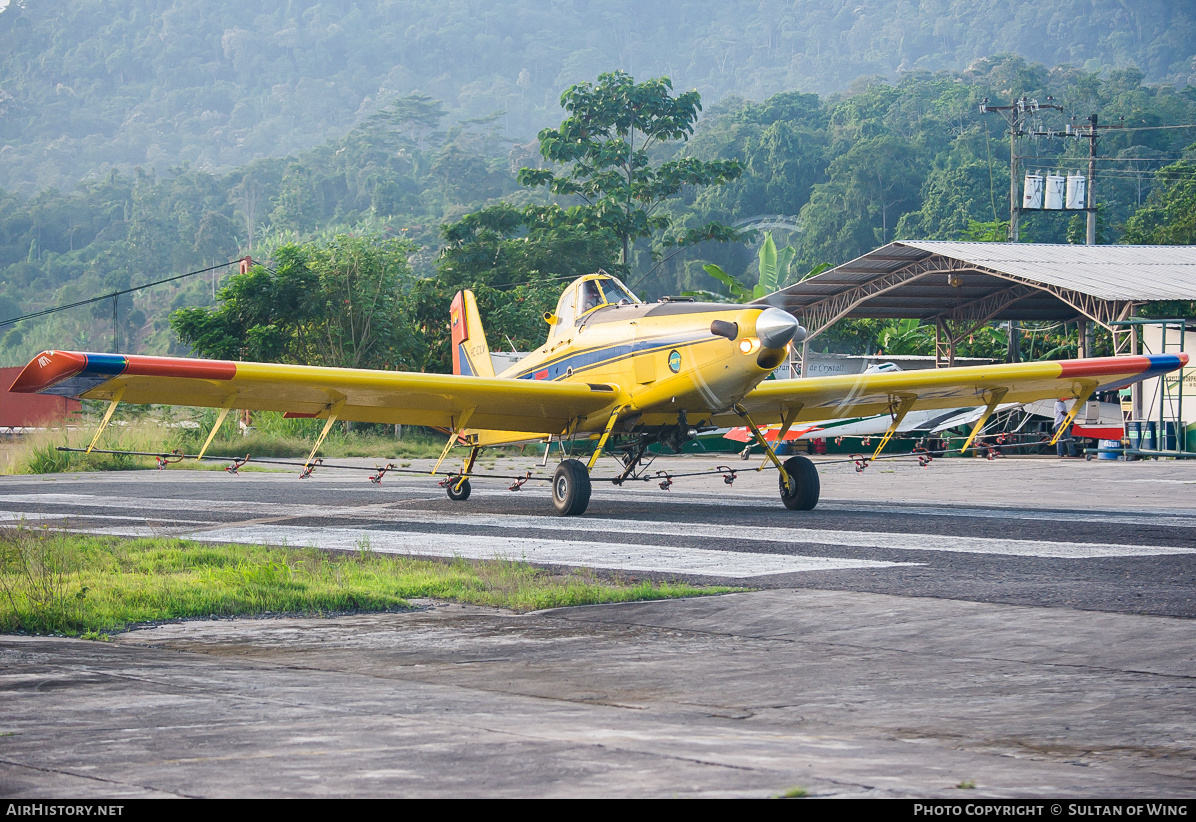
point(587, 294)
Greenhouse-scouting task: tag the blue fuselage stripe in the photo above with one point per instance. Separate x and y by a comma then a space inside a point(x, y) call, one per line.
point(604, 355)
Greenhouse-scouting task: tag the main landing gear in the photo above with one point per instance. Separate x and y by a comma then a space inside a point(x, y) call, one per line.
point(798, 476)
point(571, 488)
point(458, 489)
point(571, 485)
point(801, 494)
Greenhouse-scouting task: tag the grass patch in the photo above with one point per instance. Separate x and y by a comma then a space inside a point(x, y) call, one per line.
point(37, 453)
point(61, 583)
point(794, 793)
point(272, 436)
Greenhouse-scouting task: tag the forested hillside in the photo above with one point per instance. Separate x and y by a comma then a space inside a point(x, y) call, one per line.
point(91, 85)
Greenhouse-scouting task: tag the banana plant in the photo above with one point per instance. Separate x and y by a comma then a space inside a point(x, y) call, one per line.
point(906, 337)
point(775, 270)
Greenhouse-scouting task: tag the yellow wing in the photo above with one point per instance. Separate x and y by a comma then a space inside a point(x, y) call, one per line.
point(438, 400)
point(822, 398)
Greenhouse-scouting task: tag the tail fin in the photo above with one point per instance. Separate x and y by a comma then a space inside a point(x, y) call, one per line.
point(471, 354)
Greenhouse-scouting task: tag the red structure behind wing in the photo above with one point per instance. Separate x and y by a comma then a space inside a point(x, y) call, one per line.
point(31, 410)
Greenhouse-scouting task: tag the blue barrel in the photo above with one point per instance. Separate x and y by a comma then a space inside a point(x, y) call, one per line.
point(1141, 434)
point(1109, 449)
point(1170, 440)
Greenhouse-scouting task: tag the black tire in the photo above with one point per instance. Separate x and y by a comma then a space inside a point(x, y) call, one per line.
point(804, 476)
point(571, 488)
point(459, 494)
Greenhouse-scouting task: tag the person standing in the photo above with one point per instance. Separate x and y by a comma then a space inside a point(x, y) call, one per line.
point(1065, 445)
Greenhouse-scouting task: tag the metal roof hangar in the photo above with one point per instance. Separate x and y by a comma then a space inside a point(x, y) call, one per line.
point(961, 286)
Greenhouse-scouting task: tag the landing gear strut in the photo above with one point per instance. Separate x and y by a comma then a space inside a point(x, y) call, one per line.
point(571, 481)
point(457, 486)
point(799, 478)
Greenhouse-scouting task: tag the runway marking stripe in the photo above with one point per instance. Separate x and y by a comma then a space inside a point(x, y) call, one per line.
point(856, 539)
point(807, 536)
point(659, 558)
point(734, 500)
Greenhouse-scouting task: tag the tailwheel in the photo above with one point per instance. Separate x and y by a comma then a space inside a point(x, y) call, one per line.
point(458, 491)
point(803, 476)
point(571, 488)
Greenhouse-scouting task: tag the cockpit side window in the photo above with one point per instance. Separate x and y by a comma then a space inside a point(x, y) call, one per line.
point(566, 310)
point(591, 296)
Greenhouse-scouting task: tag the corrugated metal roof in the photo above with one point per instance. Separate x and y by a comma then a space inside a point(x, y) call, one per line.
point(1108, 272)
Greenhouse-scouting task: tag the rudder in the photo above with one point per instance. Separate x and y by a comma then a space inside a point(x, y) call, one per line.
point(471, 353)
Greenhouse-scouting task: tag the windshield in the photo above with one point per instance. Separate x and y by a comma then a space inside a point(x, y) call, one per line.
point(615, 292)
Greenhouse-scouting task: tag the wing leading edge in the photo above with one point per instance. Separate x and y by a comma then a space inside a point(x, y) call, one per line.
point(820, 398)
point(405, 398)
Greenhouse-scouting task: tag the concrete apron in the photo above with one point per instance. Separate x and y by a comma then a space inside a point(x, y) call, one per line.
point(844, 694)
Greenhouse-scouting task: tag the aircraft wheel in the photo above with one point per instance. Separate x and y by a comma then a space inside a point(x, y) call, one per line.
point(571, 488)
point(804, 475)
point(459, 494)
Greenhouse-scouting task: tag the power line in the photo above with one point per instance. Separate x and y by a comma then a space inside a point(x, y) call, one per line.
point(1171, 159)
point(1052, 133)
point(1155, 128)
point(1156, 173)
point(1167, 158)
point(115, 294)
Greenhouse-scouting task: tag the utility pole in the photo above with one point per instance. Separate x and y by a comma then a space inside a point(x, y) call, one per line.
point(1015, 115)
point(1090, 234)
point(1093, 135)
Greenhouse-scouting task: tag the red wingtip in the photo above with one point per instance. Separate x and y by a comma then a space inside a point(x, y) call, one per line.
point(48, 369)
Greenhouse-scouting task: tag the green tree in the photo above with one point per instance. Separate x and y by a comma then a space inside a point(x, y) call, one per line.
point(959, 191)
point(607, 145)
point(1169, 215)
point(516, 260)
point(869, 189)
point(993, 231)
point(215, 238)
point(1167, 218)
point(503, 245)
point(337, 304)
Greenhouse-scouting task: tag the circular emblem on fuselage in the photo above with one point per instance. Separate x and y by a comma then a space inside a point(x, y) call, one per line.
point(674, 361)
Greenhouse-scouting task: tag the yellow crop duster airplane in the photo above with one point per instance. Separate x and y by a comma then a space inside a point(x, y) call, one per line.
point(624, 372)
